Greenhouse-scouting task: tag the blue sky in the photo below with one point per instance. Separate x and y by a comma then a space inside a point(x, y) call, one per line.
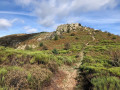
point(31, 16)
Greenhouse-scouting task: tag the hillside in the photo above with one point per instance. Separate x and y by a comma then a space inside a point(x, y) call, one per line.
point(73, 57)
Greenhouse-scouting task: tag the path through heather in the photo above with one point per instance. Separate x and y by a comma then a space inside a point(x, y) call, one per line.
point(65, 79)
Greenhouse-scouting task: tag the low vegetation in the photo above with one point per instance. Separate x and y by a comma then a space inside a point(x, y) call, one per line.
point(101, 67)
point(26, 69)
point(33, 68)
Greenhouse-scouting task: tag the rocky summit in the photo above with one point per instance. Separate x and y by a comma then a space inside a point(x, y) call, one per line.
point(67, 28)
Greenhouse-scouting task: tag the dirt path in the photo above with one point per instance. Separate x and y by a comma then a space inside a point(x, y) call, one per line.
point(69, 82)
point(65, 79)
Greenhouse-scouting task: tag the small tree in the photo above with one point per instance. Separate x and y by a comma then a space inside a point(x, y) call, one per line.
point(55, 51)
point(41, 44)
point(67, 46)
point(56, 37)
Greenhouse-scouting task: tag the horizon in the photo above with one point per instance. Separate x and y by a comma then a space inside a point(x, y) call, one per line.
point(33, 16)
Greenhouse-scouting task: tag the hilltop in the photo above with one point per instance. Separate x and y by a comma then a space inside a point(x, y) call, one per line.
point(20, 41)
point(73, 57)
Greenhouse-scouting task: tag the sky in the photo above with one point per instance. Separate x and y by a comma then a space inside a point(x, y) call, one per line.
point(32, 16)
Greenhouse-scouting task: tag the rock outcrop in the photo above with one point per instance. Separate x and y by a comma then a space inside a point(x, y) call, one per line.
point(67, 28)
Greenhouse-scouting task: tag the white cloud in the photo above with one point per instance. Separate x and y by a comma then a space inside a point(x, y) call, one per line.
point(48, 21)
point(91, 5)
point(93, 20)
point(23, 2)
point(51, 11)
point(103, 21)
point(27, 27)
point(16, 13)
point(30, 30)
point(6, 23)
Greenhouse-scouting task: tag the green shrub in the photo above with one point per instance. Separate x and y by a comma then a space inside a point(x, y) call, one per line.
point(32, 61)
point(3, 71)
point(106, 83)
point(66, 59)
point(88, 59)
point(5, 88)
point(76, 38)
point(56, 37)
point(55, 51)
point(41, 44)
point(2, 48)
point(114, 37)
point(41, 59)
point(115, 70)
point(29, 77)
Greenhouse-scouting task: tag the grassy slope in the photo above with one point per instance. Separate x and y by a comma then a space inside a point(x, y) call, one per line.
point(99, 69)
point(97, 64)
